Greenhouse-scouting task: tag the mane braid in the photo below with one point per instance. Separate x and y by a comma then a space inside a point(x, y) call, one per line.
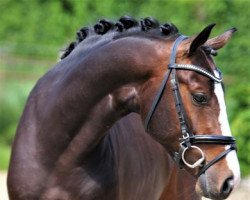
point(122, 25)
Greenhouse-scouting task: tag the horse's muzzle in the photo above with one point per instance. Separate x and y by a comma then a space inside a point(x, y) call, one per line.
point(215, 190)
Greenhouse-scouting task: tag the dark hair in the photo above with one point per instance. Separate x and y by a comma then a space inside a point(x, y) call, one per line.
point(123, 24)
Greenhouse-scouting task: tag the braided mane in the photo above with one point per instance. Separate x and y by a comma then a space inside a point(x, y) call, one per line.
point(122, 25)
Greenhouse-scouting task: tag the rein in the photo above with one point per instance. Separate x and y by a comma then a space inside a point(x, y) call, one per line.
point(188, 139)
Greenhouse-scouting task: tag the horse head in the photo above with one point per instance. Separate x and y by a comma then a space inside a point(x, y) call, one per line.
point(187, 114)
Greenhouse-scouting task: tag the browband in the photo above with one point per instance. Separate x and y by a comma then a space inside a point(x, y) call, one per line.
point(197, 69)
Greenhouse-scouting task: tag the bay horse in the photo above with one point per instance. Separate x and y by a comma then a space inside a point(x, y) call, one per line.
point(65, 148)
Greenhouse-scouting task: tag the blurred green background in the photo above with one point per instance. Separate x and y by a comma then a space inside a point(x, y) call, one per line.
point(32, 32)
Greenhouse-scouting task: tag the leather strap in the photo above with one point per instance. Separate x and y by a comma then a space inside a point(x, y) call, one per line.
point(174, 49)
point(212, 139)
point(216, 159)
point(157, 99)
point(182, 116)
point(197, 69)
point(164, 82)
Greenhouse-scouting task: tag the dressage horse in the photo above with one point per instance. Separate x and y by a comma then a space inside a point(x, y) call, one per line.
point(65, 147)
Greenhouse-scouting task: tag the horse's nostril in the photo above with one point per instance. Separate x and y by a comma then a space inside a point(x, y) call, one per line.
point(227, 187)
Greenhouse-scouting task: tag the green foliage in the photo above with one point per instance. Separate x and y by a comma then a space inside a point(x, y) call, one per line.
point(4, 156)
point(240, 114)
point(39, 29)
point(17, 77)
point(241, 128)
point(12, 97)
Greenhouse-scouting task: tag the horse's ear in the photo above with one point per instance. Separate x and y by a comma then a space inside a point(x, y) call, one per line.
point(219, 41)
point(200, 39)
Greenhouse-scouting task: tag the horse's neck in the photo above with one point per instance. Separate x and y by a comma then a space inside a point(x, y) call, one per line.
point(75, 106)
point(92, 130)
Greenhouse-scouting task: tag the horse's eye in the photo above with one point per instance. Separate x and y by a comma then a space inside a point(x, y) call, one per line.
point(199, 98)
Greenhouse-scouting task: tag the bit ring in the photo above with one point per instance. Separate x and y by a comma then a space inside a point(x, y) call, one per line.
point(198, 162)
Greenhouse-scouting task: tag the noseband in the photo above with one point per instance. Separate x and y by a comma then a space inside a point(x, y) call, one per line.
point(188, 140)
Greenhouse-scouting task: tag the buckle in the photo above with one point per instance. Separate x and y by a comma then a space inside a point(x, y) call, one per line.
point(198, 162)
point(185, 135)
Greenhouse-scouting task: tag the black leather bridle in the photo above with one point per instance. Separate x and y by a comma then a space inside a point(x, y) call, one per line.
point(189, 140)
